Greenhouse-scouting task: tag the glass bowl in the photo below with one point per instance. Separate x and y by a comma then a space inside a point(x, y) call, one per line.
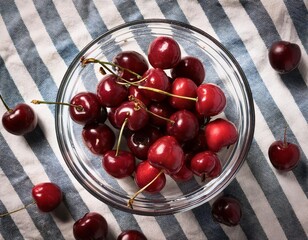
point(221, 69)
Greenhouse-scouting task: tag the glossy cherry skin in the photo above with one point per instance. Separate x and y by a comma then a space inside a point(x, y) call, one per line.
point(133, 61)
point(164, 52)
point(184, 125)
point(189, 67)
point(220, 133)
point(161, 109)
point(183, 87)
point(109, 92)
point(47, 196)
point(140, 141)
point(227, 210)
point(284, 56)
point(131, 235)
point(216, 171)
point(99, 138)
point(185, 174)
point(203, 163)
point(284, 155)
point(166, 153)
point(155, 78)
point(91, 226)
point(145, 173)
point(20, 120)
point(119, 166)
point(137, 93)
point(211, 100)
point(90, 108)
point(136, 115)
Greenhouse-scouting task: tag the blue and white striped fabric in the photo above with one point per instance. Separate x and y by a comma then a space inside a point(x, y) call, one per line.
point(39, 39)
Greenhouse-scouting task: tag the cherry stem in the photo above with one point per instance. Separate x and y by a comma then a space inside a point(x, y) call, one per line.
point(120, 136)
point(79, 108)
point(167, 93)
point(104, 64)
point(17, 210)
point(4, 103)
point(131, 200)
point(141, 105)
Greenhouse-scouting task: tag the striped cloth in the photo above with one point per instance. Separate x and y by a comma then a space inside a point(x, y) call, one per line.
point(39, 39)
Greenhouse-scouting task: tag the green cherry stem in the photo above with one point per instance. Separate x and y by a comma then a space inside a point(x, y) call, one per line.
point(5, 105)
point(78, 107)
point(131, 200)
point(17, 210)
point(120, 136)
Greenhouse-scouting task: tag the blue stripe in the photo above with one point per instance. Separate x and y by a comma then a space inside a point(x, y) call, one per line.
point(23, 187)
point(262, 97)
point(8, 223)
point(299, 15)
point(294, 81)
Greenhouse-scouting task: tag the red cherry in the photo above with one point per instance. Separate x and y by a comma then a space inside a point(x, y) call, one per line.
point(131, 235)
point(157, 80)
point(109, 92)
point(136, 115)
point(119, 164)
point(183, 125)
point(189, 67)
point(284, 155)
point(203, 163)
point(227, 210)
point(91, 226)
point(185, 174)
point(99, 138)
point(216, 171)
point(220, 133)
point(284, 56)
point(19, 120)
point(133, 61)
point(211, 100)
point(145, 173)
point(162, 110)
point(137, 93)
point(85, 108)
point(47, 196)
point(164, 52)
point(183, 87)
point(166, 153)
point(140, 141)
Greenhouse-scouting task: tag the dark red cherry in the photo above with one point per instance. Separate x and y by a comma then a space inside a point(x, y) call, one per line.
point(133, 61)
point(189, 67)
point(166, 153)
point(155, 78)
point(216, 171)
point(140, 141)
point(137, 93)
point(164, 52)
point(47, 196)
point(91, 226)
point(183, 125)
point(211, 100)
point(19, 120)
point(220, 133)
point(136, 115)
point(284, 56)
point(183, 87)
point(203, 163)
point(185, 174)
point(227, 210)
point(145, 173)
point(197, 144)
point(131, 235)
point(119, 165)
point(99, 138)
point(85, 108)
point(161, 111)
point(284, 155)
point(110, 93)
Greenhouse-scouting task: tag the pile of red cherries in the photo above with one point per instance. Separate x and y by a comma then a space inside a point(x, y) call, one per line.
point(170, 122)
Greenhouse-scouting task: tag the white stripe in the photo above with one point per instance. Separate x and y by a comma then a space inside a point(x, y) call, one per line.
point(12, 202)
point(43, 43)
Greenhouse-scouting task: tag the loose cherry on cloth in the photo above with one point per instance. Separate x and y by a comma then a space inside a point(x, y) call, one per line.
point(19, 120)
point(91, 226)
point(47, 196)
point(131, 235)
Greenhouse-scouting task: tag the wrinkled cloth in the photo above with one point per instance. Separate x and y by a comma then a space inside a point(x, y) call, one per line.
point(39, 40)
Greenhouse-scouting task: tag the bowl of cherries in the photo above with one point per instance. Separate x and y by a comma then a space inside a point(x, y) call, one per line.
point(154, 117)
